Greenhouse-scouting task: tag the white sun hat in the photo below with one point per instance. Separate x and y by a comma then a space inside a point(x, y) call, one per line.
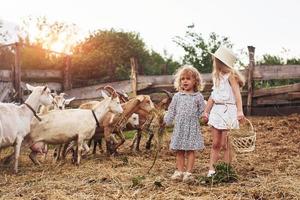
point(226, 56)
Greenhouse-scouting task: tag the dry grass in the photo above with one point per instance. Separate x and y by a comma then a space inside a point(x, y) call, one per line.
point(272, 171)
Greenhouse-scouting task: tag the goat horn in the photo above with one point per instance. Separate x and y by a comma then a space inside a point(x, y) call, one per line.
point(170, 95)
point(122, 97)
point(100, 88)
point(110, 89)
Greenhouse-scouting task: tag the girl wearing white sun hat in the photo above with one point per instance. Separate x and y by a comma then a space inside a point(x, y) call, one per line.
point(224, 107)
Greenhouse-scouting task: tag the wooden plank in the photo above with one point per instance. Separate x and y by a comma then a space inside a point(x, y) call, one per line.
point(29, 74)
point(277, 90)
point(275, 72)
point(168, 79)
point(54, 86)
point(275, 110)
point(277, 99)
point(293, 95)
point(5, 75)
point(90, 91)
point(4, 93)
point(262, 102)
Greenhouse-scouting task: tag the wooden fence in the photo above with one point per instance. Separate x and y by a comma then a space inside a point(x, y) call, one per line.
point(264, 101)
point(12, 82)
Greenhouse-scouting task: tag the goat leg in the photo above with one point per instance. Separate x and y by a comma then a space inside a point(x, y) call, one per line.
point(133, 142)
point(57, 153)
point(122, 137)
point(148, 143)
point(100, 145)
point(95, 145)
point(33, 158)
point(17, 153)
point(138, 140)
point(79, 150)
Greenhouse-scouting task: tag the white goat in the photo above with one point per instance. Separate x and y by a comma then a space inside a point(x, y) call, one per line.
point(59, 103)
point(64, 126)
point(15, 120)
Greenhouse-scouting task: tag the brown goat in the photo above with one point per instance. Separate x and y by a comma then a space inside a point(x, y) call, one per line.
point(145, 117)
point(111, 123)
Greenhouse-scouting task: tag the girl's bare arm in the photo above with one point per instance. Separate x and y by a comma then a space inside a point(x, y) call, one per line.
point(238, 97)
point(208, 107)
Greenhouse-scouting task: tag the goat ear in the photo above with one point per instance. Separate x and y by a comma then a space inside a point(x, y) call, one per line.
point(103, 94)
point(69, 100)
point(45, 88)
point(54, 93)
point(30, 87)
point(62, 94)
point(140, 98)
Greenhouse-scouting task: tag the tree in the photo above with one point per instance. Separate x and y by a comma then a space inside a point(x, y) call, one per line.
point(197, 49)
point(106, 55)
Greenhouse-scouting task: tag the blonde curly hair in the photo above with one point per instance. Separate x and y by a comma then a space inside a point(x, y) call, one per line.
point(191, 71)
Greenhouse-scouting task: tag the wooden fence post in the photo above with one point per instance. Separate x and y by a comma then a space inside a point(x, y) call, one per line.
point(133, 77)
point(251, 66)
point(16, 74)
point(165, 69)
point(67, 84)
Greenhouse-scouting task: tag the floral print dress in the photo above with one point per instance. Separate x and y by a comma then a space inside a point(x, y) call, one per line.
point(185, 111)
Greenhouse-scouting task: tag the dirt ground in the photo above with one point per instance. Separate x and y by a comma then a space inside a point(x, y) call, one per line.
point(272, 171)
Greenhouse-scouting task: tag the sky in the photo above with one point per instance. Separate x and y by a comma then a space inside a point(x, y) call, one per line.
point(271, 26)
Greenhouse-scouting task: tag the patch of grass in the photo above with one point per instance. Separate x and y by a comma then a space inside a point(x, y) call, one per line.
point(129, 134)
point(137, 181)
point(224, 174)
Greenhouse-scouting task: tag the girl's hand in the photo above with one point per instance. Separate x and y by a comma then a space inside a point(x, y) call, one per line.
point(205, 114)
point(240, 115)
point(204, 117)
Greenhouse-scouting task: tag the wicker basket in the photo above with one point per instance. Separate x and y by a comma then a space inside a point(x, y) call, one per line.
point(243, 139)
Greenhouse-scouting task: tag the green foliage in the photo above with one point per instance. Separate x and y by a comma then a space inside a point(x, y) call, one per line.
point(197, 49)
point(271, 60)
point(154, 63)
point(129, 134)
point(107, 54)
point(293, 61)
point(34, 57)
point(137, 181)
point(224, 174)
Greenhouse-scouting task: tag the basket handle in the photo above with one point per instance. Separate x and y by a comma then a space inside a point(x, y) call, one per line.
point(252, 128)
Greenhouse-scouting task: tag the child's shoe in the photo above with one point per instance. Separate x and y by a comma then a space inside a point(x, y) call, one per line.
point(187, 177)
point(177, 175)
point(211, 173)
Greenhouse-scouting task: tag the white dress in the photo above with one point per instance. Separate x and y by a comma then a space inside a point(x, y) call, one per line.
point(223, 114)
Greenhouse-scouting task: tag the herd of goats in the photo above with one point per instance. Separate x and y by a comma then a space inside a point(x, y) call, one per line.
point(42, 119)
